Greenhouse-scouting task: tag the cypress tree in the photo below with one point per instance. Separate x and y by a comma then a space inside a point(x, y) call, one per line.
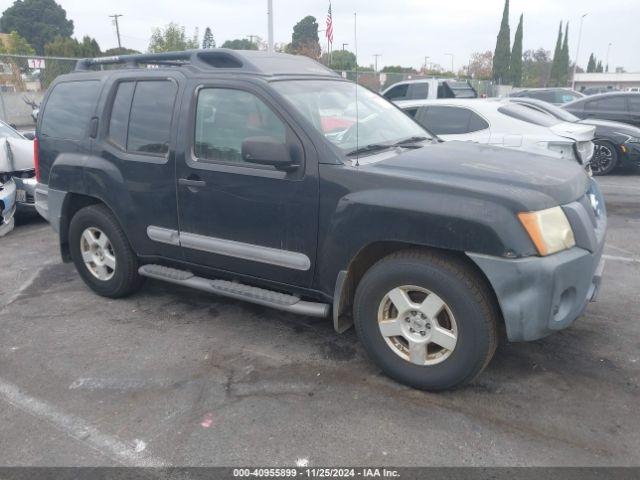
point(555, 65)
point(591, 66)
point(599, 68)
point(516, 57)
point(207, 40)
point(564, 58)
point(502, 53)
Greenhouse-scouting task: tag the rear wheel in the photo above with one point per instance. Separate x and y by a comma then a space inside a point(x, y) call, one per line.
point(102, 254)
point(605, 158)
point(427, 320)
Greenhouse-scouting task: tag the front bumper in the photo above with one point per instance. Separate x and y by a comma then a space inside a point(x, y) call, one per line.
point(540, 295)
point(630, 155)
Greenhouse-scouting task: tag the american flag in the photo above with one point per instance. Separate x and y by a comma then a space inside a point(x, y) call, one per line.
point(329, 31)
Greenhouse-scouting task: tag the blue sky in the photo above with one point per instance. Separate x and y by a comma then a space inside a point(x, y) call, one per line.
point(402, 31)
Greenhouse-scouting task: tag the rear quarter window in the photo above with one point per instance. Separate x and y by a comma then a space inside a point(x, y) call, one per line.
point(69, 108)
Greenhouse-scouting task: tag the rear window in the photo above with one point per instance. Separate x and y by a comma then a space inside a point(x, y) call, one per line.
point(527, 115)
point(69, 108)
point(446, 120)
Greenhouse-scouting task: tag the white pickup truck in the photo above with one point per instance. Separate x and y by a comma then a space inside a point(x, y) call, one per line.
point(428, 89)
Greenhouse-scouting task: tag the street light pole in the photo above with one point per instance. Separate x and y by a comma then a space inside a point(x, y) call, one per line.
point(450, 55)
point(270, 25)
point(344, 45)
point(575, 64)
point(608, 50)
point(426, 64)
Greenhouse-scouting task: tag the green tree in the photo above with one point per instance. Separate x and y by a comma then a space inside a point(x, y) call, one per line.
point(207, 40)
point(89, 47)
point(556, 67)
point(305, 40)
point(398, 69)
point(502, 54)
point(343, 60)
point(16, 45)
point(171, 38)
point(38, 21)
point(599, 67)
point(536, 68)
point(591, 65)
point(564, 58)
point(240, 44)
point(63, 47)
point(515, 69)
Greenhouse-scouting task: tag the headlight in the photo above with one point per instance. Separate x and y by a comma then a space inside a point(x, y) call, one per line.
point(633, 140)
point(549, 230)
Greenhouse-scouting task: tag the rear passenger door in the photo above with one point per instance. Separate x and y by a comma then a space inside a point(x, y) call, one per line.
point(241, 217)
point(137, 139)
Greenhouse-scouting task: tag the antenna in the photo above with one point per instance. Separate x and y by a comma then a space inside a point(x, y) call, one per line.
point(355, 44)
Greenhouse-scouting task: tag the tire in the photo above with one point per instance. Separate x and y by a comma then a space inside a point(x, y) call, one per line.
point(469, 313)
point(119, 281)
point(605, 158)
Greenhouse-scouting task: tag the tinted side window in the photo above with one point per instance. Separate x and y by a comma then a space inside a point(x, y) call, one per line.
point(225, 118)
point(634, 104)
point(119, 122)
point(397, 92)
point(613, 104)
point(446, 120)
point(477, 123)
point(411, 111)
point(69, 109)
point(150, 119)
point(544, 96)
point(419, 91)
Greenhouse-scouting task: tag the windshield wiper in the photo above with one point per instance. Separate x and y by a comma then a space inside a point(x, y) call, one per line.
point(409, 140)
point(373, 147)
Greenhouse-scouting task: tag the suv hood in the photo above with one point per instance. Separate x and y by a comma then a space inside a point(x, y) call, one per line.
point(518, 180)
point(575, 131)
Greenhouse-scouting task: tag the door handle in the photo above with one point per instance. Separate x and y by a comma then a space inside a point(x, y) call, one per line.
point(192, 183)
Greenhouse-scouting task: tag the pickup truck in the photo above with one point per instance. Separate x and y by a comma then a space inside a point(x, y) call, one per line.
point(268, 178)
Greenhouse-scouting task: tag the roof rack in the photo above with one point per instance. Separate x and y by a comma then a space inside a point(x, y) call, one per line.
point(217, 58)
point(220, 59)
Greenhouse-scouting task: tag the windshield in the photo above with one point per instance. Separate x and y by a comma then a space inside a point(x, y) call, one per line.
point(330, 106)
point(7, 131)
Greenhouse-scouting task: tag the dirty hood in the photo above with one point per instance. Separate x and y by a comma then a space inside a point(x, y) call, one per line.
point(16, 155)
point(519, 180)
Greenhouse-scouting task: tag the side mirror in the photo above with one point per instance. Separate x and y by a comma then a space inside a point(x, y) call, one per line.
point(267, 151)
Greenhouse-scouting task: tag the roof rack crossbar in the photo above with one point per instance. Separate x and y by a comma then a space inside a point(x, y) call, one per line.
point(134, 60)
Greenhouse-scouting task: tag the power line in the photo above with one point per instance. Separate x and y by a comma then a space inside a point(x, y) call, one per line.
point(115, 20)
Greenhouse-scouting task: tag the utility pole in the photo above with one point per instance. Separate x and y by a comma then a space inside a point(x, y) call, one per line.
point(426, 64)
point(608, 50)
point(376, 56)
point(575, 64)
point(115, 20)
point(270, 25)
point(251, 37)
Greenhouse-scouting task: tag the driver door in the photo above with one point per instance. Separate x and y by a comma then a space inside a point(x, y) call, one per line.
point(238, 216)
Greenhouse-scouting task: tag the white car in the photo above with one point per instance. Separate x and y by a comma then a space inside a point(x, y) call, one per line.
point(17, 162)
point(502, 123)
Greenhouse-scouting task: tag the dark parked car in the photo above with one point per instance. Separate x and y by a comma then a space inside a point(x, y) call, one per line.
point(618, 107)
point(247, 175)
point(557, 96)
point(616, 144)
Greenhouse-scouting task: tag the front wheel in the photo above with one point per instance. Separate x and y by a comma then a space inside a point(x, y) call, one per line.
point(426, 319)
point(605, 158)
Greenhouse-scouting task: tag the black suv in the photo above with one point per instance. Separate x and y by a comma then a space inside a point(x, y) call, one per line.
point(268, 178)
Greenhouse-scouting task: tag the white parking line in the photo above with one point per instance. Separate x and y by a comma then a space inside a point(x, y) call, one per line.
point(615, 258)
point(79, 429)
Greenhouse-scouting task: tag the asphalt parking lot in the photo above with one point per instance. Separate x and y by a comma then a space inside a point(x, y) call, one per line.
point(177, 377)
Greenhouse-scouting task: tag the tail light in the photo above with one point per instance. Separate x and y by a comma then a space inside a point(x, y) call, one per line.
point(36, 157)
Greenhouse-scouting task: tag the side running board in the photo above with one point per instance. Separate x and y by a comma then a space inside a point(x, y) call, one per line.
point(260, 296)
